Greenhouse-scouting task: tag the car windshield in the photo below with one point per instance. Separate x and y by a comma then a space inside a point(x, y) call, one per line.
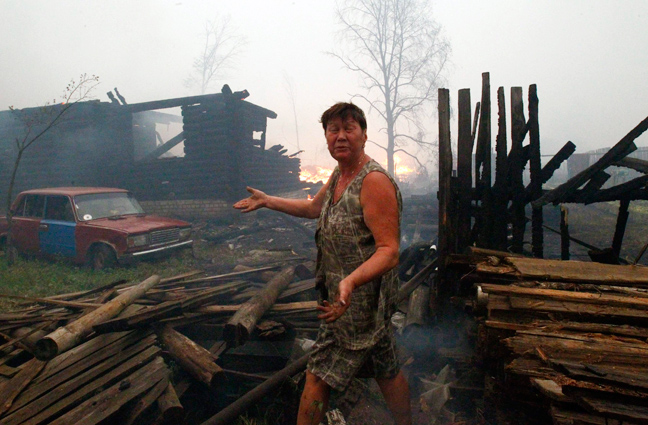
point(106, 205)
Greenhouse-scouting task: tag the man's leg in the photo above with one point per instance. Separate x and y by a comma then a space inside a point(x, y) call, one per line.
point(396, 393)
point(314, 400)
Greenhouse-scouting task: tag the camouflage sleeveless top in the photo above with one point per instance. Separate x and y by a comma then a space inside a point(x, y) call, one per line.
point(344, 242)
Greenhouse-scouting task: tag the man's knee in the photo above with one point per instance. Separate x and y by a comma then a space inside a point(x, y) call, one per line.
point(315, 382)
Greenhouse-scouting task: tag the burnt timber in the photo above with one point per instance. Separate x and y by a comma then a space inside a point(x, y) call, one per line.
point(117, 145)
point(558, 342)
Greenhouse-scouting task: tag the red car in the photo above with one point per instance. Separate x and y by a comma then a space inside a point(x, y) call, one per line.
point(93, 225)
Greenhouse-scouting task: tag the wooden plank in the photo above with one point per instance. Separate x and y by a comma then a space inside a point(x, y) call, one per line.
point(575, 308)
point(145, 402)
point(39, 396)
point(568, 416)
point(597, 352)
point(578, 271)
point(535, 168)
point(44, 415)
point(550, 389)
point(617, 410)
point(10, 389)
point(559, 295)
point(104, 404)
point(483, 178)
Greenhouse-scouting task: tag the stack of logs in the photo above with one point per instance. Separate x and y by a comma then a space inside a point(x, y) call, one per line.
point(137, 353)
point(105, 354)
point(564, 341)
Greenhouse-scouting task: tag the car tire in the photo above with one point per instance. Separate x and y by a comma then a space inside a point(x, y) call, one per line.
point(103, 257)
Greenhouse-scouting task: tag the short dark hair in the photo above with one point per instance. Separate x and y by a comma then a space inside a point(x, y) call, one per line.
point(344, 110)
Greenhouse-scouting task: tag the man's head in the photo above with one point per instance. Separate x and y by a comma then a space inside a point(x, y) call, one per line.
point(344, 111)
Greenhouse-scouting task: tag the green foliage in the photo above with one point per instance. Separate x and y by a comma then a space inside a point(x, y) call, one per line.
point(42, 278)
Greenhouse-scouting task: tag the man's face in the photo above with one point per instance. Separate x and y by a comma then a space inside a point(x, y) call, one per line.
point(345, 139)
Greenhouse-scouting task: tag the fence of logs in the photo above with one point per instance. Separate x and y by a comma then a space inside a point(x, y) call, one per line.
point(479, 209)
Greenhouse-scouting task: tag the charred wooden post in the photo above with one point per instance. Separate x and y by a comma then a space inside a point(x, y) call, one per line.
point(240, 326)
point(516, 168)
point(623, 148)
point(593, 186)
point(619, 231)
point(444, 288)
point(564, 233)
point(500, 188)
point(464, 170)
point(483, 167)
point(193, 358)
point(554, 163)
point(537, 236)
point(71, 334)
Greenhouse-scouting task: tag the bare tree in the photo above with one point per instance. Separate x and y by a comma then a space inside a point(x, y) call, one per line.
point(221, 47)
point(38, 123)
point(397, 49)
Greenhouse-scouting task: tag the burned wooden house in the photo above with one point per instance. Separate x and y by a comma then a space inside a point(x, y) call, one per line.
point(220, 140)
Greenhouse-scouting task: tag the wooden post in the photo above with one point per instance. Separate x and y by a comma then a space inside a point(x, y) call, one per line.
point(240, 326)
point(483, 167)
point(73, 333)
point(500, 188)
point(564, 233)
point(464, 170)
point(537, 235)
point(516, 168)
point(619, 231)
point(445, 195)
point(193, 358)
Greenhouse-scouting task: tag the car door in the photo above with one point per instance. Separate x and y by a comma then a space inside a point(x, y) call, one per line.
point(25, 222)
point(56, 231)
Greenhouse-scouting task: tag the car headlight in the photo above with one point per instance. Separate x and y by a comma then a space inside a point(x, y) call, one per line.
point(185, 233)
point(138, 240)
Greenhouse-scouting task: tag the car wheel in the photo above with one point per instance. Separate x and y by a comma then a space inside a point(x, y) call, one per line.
point(103, 257)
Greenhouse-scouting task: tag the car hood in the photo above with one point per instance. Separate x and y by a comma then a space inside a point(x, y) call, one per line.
point(137, 224)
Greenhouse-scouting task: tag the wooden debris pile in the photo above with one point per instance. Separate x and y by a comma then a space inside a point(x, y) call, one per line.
point(564, 341)
point(128, 354)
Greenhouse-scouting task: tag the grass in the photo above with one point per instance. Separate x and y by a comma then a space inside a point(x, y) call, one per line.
point(42, 278)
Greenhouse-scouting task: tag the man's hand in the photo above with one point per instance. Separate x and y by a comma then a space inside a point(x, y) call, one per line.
point(254, 202)
point(332, 312)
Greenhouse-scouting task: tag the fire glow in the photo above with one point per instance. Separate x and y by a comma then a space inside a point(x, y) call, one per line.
point(314, 174)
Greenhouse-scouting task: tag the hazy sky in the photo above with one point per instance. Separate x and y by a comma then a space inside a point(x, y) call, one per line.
point(589, 58)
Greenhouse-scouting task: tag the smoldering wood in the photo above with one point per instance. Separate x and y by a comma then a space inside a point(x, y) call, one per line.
point(553, 165)
point(483, 178)
point(240, 326)
point(71, 334)
point(500, 188)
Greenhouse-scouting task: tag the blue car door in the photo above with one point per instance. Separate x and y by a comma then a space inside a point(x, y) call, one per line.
point(56, 231)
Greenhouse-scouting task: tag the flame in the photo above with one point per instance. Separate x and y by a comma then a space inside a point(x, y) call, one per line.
point(310, 198)
point(314, 174)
